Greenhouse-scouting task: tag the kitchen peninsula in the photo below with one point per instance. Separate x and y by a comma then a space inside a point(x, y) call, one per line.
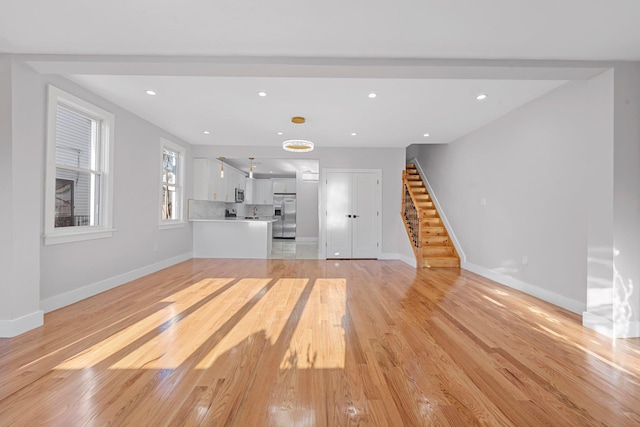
point(232, 238)
point(217, 236)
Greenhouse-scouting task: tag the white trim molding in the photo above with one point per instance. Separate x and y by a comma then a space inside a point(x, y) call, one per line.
point(411, 261)
point(68, 298)
point(15, 327)
point(533, 290)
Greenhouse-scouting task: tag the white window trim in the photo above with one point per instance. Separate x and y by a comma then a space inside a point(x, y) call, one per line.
point(166, 224)
point(53, 235)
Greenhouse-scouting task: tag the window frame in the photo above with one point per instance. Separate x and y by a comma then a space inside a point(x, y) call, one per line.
point(106, 121)
point(180, 185)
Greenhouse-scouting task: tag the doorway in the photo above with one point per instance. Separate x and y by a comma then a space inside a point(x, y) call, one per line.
point(352, 213)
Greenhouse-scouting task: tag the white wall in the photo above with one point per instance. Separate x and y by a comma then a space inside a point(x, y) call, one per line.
point(6, 194)
point(626, 207)
point(395, 243)
point(307, 204)
point(20, 177)
point(531, 168)
point(72, 271)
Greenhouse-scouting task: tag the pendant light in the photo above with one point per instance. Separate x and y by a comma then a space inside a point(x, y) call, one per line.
point(298, 145)
point(221, 167)
point(251, 168)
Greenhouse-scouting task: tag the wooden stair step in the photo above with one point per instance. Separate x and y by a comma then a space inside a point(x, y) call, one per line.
point(440, 262)
point(431, 222)
point(415, 183)
point(410, 166)
point(413, 177)
point(429, 213)
point(434, 231)
point(437, 251)
point(426, 205)
point(440, 240)
point(423, 197)
point(418, 190)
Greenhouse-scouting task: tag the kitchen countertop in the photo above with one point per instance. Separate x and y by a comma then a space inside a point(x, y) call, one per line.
point(238, 219)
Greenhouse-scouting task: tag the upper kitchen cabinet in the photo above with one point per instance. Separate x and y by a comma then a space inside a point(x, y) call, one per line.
point(209, 185)
point(284, 185)
point(259, 192)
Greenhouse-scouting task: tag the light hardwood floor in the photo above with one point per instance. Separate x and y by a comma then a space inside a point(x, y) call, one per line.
point(316, 343)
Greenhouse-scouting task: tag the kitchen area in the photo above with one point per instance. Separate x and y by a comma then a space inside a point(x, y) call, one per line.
point(239, 213)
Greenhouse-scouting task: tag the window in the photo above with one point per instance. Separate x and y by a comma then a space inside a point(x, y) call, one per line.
point(172, 184)
point(79, 169)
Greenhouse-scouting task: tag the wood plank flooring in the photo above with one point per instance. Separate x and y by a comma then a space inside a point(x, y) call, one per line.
point(316, 343)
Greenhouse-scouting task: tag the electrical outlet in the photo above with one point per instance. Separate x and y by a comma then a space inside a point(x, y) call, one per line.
point(483, 201)
point(525, 260)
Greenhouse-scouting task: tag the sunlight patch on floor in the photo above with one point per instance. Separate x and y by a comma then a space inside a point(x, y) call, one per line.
point(318, 341)
point(160, 319)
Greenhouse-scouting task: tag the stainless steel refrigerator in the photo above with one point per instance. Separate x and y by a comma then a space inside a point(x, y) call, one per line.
point(284, 213)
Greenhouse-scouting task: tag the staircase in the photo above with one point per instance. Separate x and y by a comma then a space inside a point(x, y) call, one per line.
point(431, 243)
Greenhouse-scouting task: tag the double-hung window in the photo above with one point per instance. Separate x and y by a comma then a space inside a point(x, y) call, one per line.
point(79, 179)
point(172, 185)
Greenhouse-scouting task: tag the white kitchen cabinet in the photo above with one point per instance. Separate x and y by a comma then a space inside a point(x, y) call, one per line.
point(258, 192)
point(208, 185)
point(284, 185)
point(201, 179)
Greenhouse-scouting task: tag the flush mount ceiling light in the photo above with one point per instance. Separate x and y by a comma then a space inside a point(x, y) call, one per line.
point(262, 93)
point(372, 95)
point(298, 145)
point(425, 135)
point(206, 132)
point(150, 92)
point(481, 96)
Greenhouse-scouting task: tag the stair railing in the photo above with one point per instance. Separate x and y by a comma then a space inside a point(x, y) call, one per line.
point(411, 218)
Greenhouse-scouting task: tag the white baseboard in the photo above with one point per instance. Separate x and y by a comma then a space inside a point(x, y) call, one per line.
point(407, 260)
point(67, 298)
point(545, 295)
point(15, 327)
point(306, 239)
point(610, 329)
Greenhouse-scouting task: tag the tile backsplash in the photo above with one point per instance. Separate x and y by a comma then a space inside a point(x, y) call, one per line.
point(206, 209)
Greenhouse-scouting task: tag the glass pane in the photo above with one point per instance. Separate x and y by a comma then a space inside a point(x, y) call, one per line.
point(77, 198)
point(169, 202)
point(169, 167)
point(74, 139)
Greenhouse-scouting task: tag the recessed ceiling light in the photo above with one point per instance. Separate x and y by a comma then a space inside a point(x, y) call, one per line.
point(262, 93)
point(280, 133)
point(425, 135)
point(206, 132)
point(353, 134)
point(372, 95)
point(150, 92)
point(481, 96)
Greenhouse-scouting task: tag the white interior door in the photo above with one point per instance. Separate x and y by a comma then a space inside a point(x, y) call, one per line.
point(338, 193)
point(352, 209)
point(364, 242)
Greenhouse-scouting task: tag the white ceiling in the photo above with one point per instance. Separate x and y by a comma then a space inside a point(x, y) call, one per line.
point(410, 102)
point(541, 29)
